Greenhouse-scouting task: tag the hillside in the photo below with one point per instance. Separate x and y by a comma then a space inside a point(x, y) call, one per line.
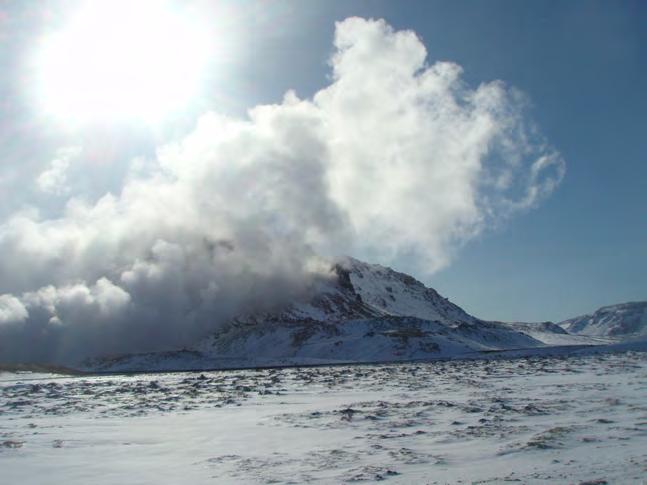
point(551, 333)
point(625, 320)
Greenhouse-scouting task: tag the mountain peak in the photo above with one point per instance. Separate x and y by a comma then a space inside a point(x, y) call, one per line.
point(399, 294)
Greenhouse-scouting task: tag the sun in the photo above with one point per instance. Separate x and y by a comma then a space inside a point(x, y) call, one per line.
point(122, 60)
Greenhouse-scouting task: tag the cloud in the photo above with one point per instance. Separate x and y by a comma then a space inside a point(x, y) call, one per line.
point(420, 161)
point(11, 310)
point(53, 180)
point(395, 157)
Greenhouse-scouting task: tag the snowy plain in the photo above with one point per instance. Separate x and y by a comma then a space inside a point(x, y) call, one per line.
point(537, 419)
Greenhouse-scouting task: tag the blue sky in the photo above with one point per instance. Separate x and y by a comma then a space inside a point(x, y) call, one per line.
point(582, 66)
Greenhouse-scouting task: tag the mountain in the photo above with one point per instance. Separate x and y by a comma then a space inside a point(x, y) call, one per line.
point(626, 320)
point(551, 333)
point(360, 312)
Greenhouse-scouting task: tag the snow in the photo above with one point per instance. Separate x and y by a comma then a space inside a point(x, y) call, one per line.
point(560, 419)
point(304, 343)
point(399, 294)
point(625, 320)
point(552, 334)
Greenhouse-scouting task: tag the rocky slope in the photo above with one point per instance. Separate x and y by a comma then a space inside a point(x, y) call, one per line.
point(626, 320)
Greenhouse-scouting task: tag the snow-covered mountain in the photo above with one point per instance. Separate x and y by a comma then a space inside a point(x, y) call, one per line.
point(360, 312)
point(356, 290)
point(552, 334)
point(626, 320)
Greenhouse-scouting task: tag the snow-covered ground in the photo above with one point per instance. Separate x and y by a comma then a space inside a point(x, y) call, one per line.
point(560, 419)
point(306, 343)
point(551, 334)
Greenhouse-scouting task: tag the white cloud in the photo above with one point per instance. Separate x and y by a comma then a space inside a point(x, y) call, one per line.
point(12, 309)
point(53, 180)
point(395, 157)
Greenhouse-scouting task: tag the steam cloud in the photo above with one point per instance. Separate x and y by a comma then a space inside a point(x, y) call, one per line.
point(395, 157)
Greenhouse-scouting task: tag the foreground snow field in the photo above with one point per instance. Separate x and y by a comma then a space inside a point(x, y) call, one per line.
point(530, 420)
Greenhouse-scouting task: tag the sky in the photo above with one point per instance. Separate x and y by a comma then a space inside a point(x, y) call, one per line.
point(172, 163)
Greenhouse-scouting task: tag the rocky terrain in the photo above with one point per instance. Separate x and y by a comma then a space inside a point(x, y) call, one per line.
point(578, 418)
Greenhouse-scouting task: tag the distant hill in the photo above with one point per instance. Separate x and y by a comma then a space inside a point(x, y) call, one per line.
point(625, 320)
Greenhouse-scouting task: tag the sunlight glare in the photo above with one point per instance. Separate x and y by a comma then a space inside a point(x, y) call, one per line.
point(122, 60)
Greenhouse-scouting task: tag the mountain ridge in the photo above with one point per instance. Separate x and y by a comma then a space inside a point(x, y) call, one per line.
point(623, 320)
